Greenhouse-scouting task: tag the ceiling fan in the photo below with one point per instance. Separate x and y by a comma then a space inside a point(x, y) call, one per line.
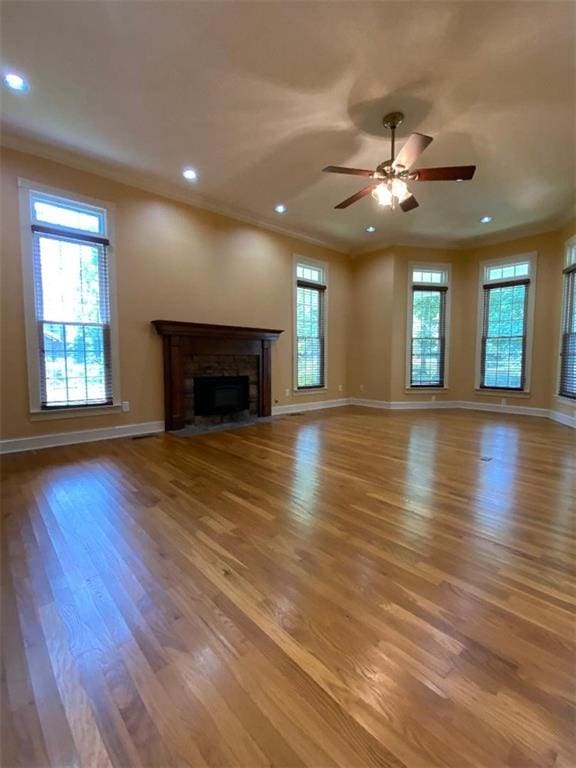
point(389, 181)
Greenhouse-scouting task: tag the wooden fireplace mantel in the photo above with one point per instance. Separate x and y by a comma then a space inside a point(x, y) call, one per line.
point(181, 339)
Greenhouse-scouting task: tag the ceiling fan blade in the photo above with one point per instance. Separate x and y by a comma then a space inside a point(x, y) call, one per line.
point(357, 196)
point(451, 173)
point(412, 149)
point(351, 171)
point(409, 204)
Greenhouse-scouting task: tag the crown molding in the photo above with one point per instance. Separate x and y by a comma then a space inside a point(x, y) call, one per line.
point(515, 233)
point(416, 242)
point(147, 183)
point(26, 143)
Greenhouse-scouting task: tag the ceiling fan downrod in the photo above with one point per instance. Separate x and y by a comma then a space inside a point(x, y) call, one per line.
point(391, 121)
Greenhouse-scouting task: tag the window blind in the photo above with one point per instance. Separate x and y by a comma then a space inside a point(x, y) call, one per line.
point(503, 358)
point(567, 386)
point(71, 289)
point(428, 336)
point(310, 334)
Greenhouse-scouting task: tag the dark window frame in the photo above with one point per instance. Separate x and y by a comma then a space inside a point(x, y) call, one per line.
point(66, 234)
point(568, 337)
point(320, 288)
point(487, 288)
point(442, 290)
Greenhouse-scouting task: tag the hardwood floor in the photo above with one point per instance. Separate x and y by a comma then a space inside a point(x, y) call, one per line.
point(342, 588)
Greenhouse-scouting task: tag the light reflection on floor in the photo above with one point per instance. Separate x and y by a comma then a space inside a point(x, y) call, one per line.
point(497, 467)
point(421, 462)
point(305, 479)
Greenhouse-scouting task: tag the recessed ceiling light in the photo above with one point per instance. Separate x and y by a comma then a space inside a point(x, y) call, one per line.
point(485, 219)
point(370, 229)
point(280, 208)
point(189, 174)
point(15, 82)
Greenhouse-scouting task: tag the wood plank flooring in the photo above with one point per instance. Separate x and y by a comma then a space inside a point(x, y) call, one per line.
point(342, 588)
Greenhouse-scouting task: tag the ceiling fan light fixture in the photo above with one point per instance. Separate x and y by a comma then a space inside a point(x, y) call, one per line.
point(382, 195)
point(391, 192)
point(399, 190)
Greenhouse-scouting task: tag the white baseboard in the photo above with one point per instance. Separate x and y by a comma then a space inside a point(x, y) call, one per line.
point(418, 405)
point(18, 444)
point(404, 405)
point(563, 418)
point(369, 403)
point(518, 410)
point(318, 405)
point(469, 405)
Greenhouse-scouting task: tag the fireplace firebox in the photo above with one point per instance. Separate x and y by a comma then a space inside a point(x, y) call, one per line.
point(215, 395)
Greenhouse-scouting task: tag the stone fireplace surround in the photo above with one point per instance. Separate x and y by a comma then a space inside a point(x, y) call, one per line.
point(213, 350)
point(220, 365)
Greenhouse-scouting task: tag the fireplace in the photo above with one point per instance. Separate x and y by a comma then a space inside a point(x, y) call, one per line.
point(218, 395)
point(197, 351)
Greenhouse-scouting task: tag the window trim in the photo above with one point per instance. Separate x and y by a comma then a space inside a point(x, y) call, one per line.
point(531, 258)
point(428, 267)
point(299, 260)
point(26, 188)
point(569, 261)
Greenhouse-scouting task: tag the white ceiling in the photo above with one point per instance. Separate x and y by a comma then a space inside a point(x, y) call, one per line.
point(260, 96)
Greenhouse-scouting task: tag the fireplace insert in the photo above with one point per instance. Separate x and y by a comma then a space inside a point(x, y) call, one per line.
point(220, 394)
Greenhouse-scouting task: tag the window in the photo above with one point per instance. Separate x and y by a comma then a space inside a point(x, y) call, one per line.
point(310, 326)
point(567, 384)
point(427, 327)
point(506, 317)
point(69, 329)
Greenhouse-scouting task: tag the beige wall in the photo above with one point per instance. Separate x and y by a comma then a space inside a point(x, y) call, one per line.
point(371, 326)
point(177, 262)
point(379, 300)
point(173, 262)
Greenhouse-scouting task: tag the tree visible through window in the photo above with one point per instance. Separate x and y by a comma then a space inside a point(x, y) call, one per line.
point(428, 327)
point(310, 290)
point(504, 326)
point(71, 292)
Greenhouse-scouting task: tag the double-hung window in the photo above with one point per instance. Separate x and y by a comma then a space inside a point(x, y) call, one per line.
point(68, 299)
point(506, 311)
point(567, 384)
point(310, 325)
point(427, 324)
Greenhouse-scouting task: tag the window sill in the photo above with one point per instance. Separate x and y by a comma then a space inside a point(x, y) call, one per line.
point(309, 391)
point(416, 390)
point(75, 413)
point(571, 401)
point(503, 392)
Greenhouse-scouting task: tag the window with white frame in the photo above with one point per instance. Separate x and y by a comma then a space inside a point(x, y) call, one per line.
point(67, 281)
point(506, 313)
point(567, 379)
point(427, 324)
point(310, 325)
